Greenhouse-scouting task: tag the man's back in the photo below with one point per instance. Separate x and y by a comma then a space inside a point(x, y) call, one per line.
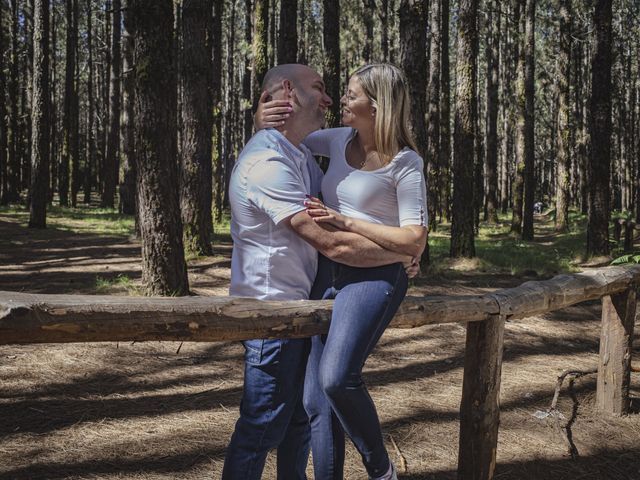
point(268, 184)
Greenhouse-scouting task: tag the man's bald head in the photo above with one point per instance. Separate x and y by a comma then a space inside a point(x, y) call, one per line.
point(293, 72)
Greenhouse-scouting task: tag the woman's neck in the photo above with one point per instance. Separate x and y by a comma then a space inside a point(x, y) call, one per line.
point(366, 141)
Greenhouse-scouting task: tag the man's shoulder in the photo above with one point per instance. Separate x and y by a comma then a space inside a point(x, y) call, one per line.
point(261, 148)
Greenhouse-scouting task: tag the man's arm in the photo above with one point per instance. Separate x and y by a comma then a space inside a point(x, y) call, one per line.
point(343, 247)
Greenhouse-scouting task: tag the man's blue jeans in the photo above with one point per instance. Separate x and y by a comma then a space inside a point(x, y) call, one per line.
point(271, 412)
point(335, 395)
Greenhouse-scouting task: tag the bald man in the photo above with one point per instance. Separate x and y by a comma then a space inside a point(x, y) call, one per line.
point(275, 257)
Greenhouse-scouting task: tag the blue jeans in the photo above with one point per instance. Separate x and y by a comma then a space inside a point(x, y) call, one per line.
point(271, 412)
point(335, 396)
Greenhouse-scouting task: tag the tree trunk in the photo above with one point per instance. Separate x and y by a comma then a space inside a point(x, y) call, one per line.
point(288, 32)
point(462, 225)
point(164, 269)
point(412, 16)
point(384, 28)
point(230, 102)
point(600, 158)
point(563, 138)
point(128, 197)
point(271, 25)
point(433, 115)
point(3, 112)
point(68, 130)
point(12, 194)
point(91, 146)
point(260, 44)
point(493, 78)
point(520, 100)
point(112, 163)
point(53, 105)
point(195, 173)
point(331, 64)
point(246, 76)
point(40, 117)
point(369, 8)
point(104, 93)
point(76, 175)
point(529, 129)
point(444, 157)
point(27, 87)
point(216, 88)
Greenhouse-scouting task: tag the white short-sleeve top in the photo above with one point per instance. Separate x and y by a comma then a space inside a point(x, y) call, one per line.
point(268, 184)
point(393, 195)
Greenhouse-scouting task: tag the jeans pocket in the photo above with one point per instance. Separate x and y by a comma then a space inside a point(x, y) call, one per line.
point(253, 351)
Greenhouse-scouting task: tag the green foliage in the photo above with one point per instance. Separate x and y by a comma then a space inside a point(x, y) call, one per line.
point(628, 258)
point(500, 253)
point(121, 283)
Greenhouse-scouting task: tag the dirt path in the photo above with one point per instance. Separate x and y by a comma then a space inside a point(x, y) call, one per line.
point(147, 411)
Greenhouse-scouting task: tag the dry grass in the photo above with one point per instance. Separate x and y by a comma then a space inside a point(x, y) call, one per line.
point(144, 411)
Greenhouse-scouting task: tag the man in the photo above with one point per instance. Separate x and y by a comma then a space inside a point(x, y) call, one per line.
point(275, 258)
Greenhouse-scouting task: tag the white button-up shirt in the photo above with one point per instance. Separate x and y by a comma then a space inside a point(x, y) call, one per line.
point(268, 184)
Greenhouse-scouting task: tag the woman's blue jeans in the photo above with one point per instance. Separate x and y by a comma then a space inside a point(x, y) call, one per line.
point(335, 396)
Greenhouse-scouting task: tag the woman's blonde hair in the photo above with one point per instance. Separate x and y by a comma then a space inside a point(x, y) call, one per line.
point(386, 86)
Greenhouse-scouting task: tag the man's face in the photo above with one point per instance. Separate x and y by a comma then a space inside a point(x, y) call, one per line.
point(310, 100)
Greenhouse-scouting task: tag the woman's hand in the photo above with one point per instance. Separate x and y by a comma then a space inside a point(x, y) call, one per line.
point(412, 268)
point(322, 214)
point(271, 113)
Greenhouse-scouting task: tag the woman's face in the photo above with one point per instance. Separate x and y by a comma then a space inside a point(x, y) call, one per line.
point(357, 111)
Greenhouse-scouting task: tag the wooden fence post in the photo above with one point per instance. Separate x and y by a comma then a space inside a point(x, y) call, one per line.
point(480, 405)
point(614, 371)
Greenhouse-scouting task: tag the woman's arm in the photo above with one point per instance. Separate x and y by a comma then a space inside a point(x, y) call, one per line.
point(408, 240)
point(274, 113)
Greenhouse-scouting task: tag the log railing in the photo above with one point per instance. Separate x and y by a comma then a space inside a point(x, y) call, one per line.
point(33, 318)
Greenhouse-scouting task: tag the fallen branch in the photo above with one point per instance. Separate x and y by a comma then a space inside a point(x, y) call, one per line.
point(553, 411)
point(575, 374)
point(403, 461)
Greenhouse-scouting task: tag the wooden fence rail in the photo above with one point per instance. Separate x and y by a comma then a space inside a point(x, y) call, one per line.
point(32, 318)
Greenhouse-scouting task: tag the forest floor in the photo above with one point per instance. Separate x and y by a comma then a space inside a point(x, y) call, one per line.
point(153, 410)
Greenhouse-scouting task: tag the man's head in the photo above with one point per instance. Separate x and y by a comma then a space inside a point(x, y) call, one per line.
point(304, 88)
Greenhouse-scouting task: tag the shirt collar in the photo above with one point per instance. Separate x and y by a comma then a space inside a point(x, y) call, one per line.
point(298, 153)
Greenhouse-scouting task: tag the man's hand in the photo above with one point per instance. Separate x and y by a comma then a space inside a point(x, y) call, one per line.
point(271, 113)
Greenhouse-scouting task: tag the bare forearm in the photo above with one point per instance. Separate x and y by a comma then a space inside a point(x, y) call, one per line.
point(344, 247)
point(357, 251)
point(404, 240)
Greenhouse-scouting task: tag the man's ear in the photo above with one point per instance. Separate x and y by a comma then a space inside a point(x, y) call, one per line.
point(286, 85)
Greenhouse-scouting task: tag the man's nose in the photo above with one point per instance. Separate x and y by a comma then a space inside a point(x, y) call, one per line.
point(327, 100)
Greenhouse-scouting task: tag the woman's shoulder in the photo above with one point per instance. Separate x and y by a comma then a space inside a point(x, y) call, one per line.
point(408, 158)
point(330, 135)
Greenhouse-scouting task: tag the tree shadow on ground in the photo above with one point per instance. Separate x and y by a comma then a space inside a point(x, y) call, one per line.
point(606, 464)
point(171, 465)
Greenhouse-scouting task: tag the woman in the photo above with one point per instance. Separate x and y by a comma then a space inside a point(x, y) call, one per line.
point(375, 187)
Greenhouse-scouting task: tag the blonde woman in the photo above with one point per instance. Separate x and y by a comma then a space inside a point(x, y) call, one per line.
point(374, 186)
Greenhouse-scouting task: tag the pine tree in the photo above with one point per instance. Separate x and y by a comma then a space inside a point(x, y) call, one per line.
point(39, 191)
point(164, 269)
point(462, 224)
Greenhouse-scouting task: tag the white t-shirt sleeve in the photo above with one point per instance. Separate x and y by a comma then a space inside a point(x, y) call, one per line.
point(276, 189)
point(411, 190)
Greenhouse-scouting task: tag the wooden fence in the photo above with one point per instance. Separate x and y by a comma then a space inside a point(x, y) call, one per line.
point(29, 318)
